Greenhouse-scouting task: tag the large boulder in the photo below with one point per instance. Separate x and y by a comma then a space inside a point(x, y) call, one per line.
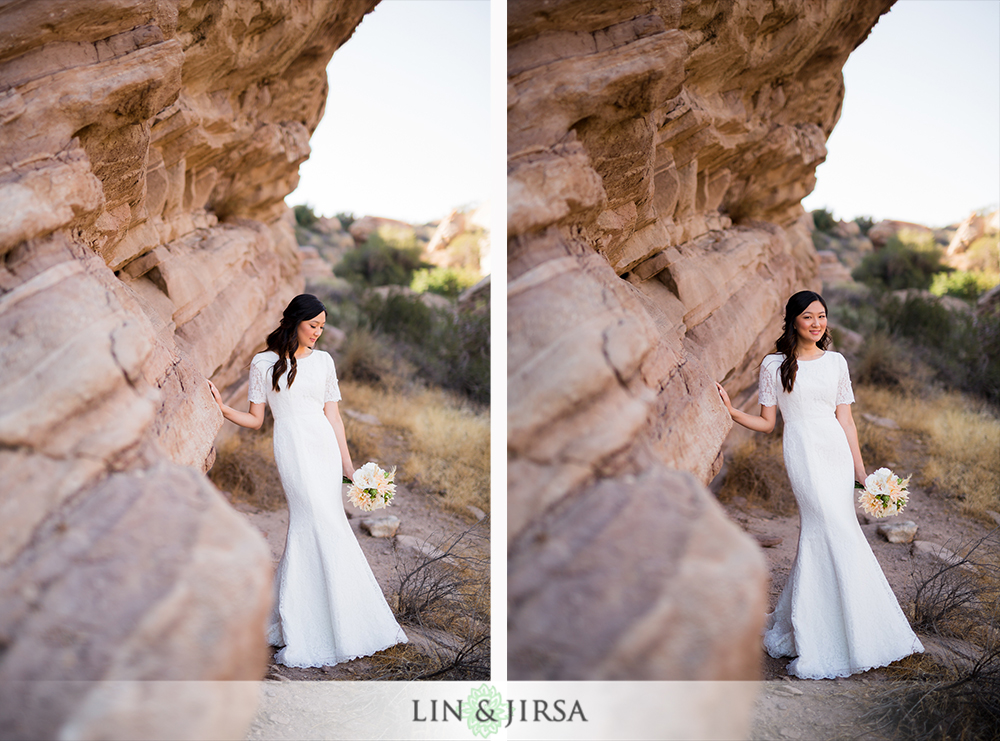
point(657, 157)
point(146, 151)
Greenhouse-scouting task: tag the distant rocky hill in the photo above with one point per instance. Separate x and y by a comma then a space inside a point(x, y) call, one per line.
point(842, 247)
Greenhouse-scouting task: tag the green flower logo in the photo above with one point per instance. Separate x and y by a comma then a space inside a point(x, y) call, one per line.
point(484, 711)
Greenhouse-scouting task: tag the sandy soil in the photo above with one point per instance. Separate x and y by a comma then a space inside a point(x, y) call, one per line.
point(829, 709)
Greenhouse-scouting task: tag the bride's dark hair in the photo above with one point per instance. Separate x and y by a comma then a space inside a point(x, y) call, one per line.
point(789, 339)
point(285, 339)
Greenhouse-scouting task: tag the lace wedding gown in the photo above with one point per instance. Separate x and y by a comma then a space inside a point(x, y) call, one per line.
point(328, 607)
point(837, 613)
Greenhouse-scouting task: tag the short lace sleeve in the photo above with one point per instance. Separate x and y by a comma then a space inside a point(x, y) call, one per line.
point(258, 383)
point(845, 394)
point(765, 388)
point(332, 392)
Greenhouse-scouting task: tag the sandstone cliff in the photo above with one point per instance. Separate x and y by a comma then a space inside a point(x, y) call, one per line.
point(145, 148)
point(657, 155)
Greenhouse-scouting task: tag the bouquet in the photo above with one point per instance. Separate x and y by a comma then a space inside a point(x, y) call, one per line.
point(884, 493)
point(372, 488)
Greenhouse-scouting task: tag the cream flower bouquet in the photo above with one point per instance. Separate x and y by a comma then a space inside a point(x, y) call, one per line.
point(884, 493)
point(372, 488)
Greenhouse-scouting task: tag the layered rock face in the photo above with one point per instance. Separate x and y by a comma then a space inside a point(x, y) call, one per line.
point(657, 155)
point(145, 148)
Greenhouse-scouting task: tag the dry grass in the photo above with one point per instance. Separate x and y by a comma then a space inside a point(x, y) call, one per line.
point(448, 440)
point(756, 472)
point(444, 595)
point(244, 466)
point(962, 436)
point(878, 446)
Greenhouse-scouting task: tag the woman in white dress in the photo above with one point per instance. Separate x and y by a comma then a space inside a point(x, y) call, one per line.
point(837, 614)
point(328, 608)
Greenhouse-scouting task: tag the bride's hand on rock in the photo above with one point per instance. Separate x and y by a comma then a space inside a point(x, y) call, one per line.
point(216, 394)
point(725, 398)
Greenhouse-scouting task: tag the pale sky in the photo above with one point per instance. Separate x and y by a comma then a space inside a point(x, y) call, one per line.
point(919, 137)
point(406, 131)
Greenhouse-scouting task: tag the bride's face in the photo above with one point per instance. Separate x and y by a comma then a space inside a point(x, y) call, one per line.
point(311, 329)
point(810, 325)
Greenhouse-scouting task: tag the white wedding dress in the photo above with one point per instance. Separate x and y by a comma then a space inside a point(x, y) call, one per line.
point(328, 606)
point(837, 613)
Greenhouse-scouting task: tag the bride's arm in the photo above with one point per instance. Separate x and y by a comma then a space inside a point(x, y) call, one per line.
point(251, 420)
point(332, 411)
point(846, 420)
point(762, 423)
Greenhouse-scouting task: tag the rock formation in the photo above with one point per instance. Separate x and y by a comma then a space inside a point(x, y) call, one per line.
point(974, 227)
point(145, 149)
point(884, 230)
point(363, 228)
point(475, 254)
point(657, 154)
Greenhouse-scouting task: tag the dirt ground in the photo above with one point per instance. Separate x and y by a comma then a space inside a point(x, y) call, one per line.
point(793, 708)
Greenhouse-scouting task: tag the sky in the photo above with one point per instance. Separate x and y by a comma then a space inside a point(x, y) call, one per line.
point(919, 137)
point(406, 133)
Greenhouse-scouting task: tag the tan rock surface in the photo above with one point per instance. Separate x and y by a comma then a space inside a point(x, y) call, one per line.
point(145, 149)
point(660, 619)
point(657, 157)
point(975, 226)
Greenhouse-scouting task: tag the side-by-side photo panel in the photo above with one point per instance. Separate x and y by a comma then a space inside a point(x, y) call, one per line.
point(245, 360)
point(753, 357)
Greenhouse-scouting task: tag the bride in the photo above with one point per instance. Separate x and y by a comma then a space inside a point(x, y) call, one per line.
point(328, 607)
point(837, 614)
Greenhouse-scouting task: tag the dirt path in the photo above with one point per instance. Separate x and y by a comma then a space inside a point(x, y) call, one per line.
point(792, 708)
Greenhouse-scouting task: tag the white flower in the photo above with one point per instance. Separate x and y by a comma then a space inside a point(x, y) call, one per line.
point(368, 476)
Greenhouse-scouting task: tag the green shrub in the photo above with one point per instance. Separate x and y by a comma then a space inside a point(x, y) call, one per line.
point(865, 223)
point(964, 353)
point(381, 262)
point(985, 370)
point(464, 250)
point(304, 216)
point(880, 362)
point(926, 321)
point(964, 284)
point(398, 315)
point(901, 264)
point(448, 282)
point(448, 347)
point(461, 350)
point(823, 220)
